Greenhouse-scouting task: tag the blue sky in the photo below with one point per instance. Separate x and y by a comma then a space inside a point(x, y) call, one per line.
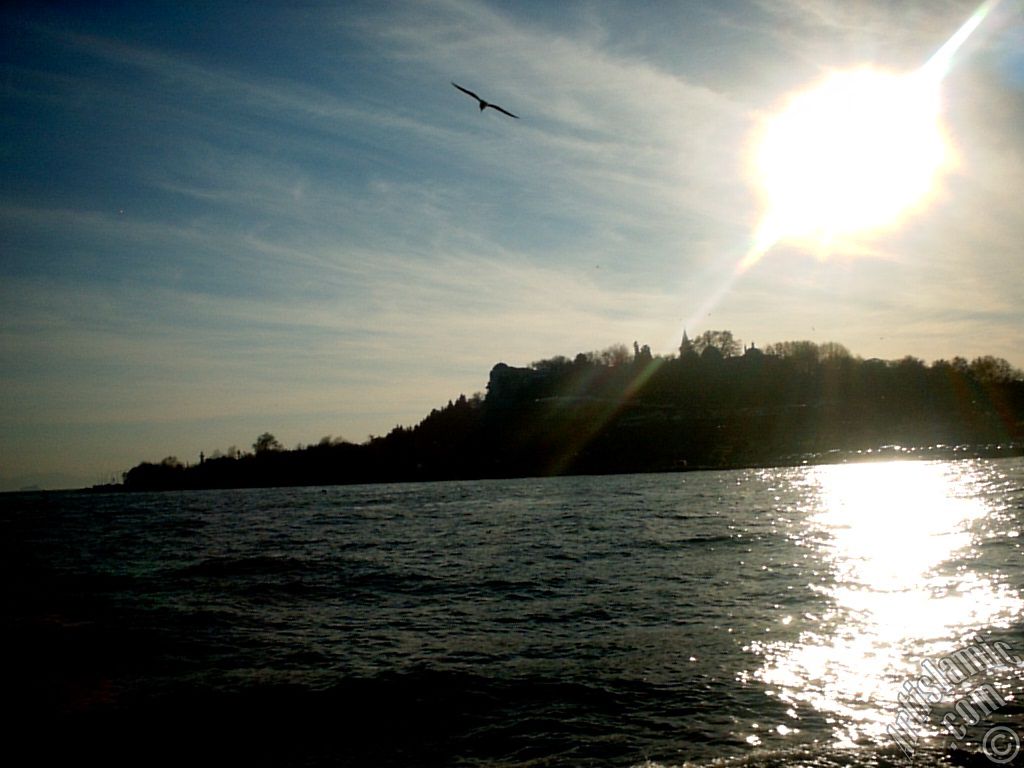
point(218, 219)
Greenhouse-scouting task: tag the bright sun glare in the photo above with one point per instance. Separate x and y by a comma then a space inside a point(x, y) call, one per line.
point(852, 154)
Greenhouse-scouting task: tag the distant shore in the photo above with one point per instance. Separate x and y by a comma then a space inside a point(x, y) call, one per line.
point(882, 453)
point(612, 412)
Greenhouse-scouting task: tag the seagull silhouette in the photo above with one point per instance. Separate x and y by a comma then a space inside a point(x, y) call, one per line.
point(484, 104)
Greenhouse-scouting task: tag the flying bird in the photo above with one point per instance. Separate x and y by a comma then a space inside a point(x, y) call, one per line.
point(484, 104)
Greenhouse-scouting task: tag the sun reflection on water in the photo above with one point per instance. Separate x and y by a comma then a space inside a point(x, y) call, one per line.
point(896, 539)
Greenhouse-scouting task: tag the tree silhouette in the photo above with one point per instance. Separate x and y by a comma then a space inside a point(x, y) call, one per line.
point(265, 443)
point(722, 341)
point(993, 370)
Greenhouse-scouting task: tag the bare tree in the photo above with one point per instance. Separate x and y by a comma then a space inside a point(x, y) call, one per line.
point(266, 442)
point(723, 341)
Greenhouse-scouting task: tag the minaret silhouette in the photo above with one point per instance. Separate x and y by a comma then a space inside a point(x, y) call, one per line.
point(686, 346)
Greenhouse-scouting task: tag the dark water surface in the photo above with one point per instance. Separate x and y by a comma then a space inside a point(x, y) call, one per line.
point(762, 617)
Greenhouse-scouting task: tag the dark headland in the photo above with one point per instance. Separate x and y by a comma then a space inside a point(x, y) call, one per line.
point(715, 405)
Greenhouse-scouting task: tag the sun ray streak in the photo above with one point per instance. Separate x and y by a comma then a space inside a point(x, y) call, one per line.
point(941, 62)
point(610, 410)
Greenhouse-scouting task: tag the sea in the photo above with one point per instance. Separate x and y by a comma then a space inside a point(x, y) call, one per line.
point(760, 618)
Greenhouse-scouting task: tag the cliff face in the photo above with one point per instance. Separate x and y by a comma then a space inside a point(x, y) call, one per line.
point(506, 384)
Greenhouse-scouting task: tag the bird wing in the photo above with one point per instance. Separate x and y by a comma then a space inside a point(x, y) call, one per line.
point(495, 106)
point(466, 90)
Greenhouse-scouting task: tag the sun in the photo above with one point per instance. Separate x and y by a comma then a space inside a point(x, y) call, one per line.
point(857, 152)
point(854, 153)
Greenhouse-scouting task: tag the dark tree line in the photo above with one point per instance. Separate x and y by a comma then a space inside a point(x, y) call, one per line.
point(716, 405)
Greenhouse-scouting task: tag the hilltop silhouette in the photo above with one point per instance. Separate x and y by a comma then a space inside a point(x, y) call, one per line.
point(717, 404)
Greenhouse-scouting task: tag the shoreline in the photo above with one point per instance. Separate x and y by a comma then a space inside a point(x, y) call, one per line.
point(941, 452)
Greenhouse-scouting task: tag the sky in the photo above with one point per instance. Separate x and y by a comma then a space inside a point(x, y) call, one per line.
point(220, 219)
